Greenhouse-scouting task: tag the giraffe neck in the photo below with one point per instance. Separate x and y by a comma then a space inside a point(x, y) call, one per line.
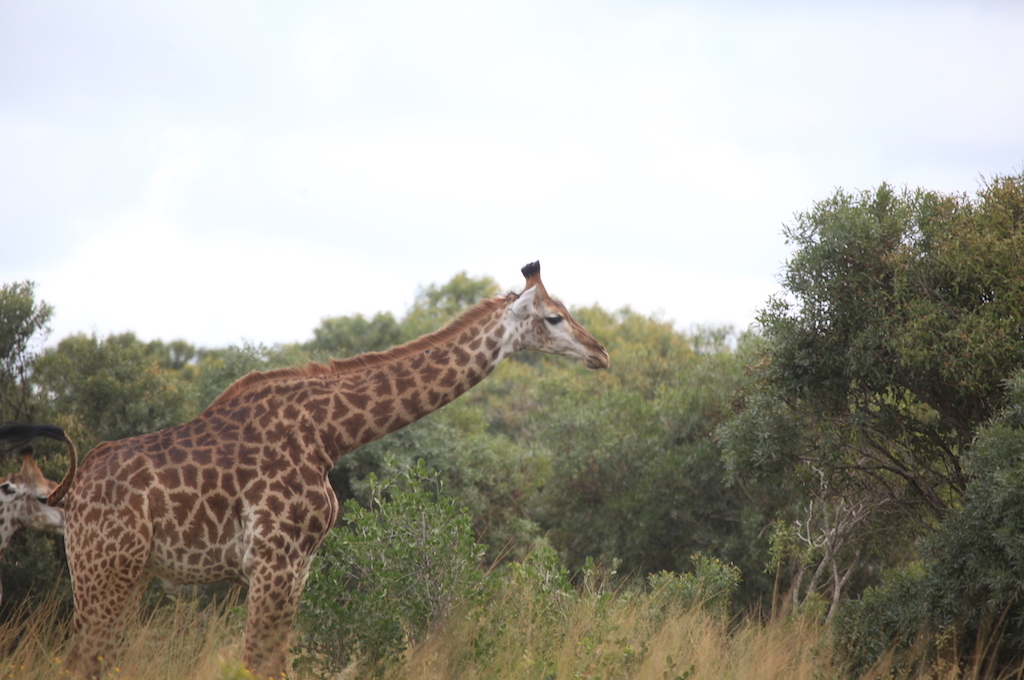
point(394, 388)
point(354, 401)
point(7, 529)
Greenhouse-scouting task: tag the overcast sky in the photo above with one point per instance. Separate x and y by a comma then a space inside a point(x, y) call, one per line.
point(225, 171)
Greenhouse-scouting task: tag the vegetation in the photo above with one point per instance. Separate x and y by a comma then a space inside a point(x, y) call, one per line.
point(885, 399)
point(835, 493)
point(384, 579)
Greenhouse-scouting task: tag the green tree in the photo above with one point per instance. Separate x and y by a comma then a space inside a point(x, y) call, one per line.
point(636, 474)
point(898, 326)
point(177, 355)
point(340, 337)
point(437, 305)
point(883, 357)
point(976, 557)
point(109, 389)
point(963, 598)
point(22, 319)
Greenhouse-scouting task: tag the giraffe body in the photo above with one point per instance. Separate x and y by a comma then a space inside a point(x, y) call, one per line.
point(241, 492)
point(23, 503)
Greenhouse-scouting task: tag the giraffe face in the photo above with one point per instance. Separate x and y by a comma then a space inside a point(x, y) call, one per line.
point(547, 326)
point(23, 499)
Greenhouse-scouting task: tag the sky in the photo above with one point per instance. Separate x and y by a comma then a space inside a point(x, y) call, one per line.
point(229, 172)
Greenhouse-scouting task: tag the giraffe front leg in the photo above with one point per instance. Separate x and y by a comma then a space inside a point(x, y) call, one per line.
point(275, 591)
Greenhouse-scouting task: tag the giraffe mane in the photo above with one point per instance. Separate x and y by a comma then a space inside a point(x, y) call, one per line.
point(339, 367)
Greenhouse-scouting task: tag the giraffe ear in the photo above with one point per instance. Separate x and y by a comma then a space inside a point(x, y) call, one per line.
point(524, 303)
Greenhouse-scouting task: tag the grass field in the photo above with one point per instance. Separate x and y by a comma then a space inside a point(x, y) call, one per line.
point(517, 635)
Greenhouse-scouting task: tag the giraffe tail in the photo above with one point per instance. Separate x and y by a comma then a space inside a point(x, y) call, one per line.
point(18, 435)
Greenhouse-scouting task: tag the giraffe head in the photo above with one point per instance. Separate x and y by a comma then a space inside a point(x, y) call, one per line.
point(543, 323)
point(23, 499)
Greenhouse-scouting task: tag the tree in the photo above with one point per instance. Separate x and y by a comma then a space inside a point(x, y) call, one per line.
point(346, 336)
point(21, 320)
point(963, 598)
point(437, 305)
point(110, 389)
point(636, 475)
point(976, 557)
point(176, 355)
point(888, 350)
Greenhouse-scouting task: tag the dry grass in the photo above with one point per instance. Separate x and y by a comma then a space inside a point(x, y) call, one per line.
point(626, 641)
point(181, 640)
point(522, 635)
point(623, 637)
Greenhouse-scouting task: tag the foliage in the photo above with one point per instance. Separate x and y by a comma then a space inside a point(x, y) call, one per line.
point(177, 355)
point(710, 585)
point(885, 621)
point(437, 305)
point(34, 570)
point(221, 367)
point(636, 474)
point(33, 562)
point(489, 475)
point(345, 336)
point(976, 557)
point(21, 320)
point(898, 326)
point(963, 599)
point(385, 578)
point(879, 363)
point(110, 389)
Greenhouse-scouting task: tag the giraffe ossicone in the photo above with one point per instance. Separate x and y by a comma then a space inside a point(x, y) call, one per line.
point(241, 493)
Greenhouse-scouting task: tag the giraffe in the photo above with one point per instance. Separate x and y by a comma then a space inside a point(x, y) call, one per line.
point(23, 494)
point(241, 493)
point(23, 503)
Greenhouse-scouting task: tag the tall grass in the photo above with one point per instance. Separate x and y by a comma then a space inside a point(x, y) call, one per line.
point(176, 641)
point(616, 636)
point(521, 633)
point(526, 634)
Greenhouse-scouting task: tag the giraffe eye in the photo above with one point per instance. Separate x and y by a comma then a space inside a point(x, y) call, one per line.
point(7, 488)
point(554, 319)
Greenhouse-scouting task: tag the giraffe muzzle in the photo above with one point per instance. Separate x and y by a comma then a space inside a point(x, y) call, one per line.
point(597, 358)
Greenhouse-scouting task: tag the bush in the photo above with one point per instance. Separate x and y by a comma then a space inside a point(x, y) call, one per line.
point(381, 581)
point(710, 585)
point(886, 620)
point(964, 597)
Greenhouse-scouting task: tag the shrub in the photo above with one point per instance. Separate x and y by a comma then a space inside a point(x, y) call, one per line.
point(385, 577)
point(964, 596)
point(885, 620)
point(710, 586)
